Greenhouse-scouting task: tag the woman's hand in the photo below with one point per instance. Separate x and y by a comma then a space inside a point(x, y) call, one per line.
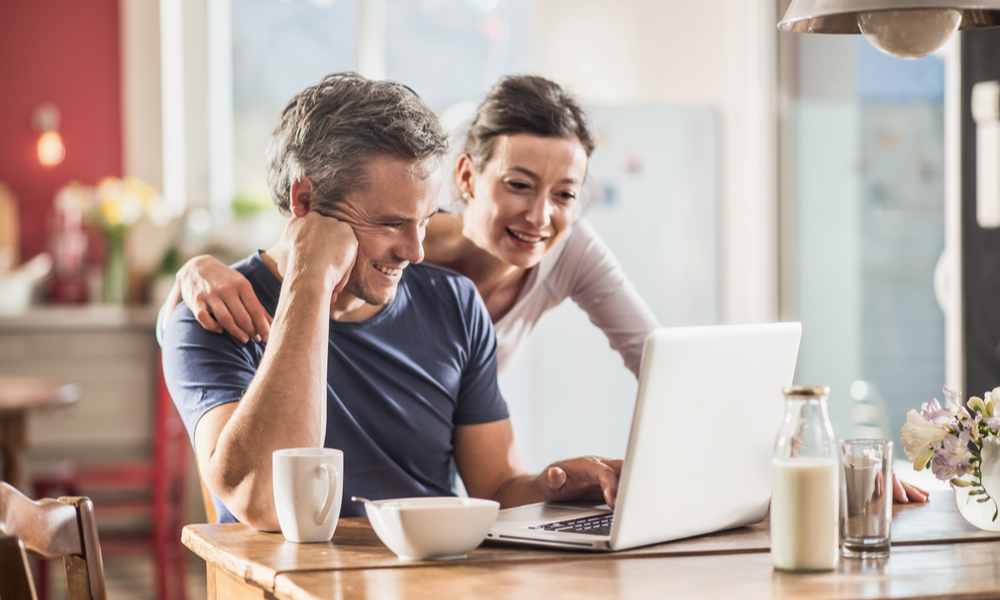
point(904, 493)
point(222, 299)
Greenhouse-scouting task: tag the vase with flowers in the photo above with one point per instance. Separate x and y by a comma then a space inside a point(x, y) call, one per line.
point(113, 206)
point(961, 445)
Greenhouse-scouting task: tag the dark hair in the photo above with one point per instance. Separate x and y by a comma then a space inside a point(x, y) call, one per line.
point(330, 131)
point(525, 104)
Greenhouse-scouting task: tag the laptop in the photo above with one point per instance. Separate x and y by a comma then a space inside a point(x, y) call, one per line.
point(699, 453)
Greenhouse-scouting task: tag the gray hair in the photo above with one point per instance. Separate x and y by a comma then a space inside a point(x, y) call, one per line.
point(331, 130)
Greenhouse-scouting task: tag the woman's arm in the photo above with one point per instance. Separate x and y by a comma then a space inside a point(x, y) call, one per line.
point(591, 275)
point(220, 298)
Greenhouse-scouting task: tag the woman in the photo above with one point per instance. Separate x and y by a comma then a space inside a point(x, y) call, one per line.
point(519, 178)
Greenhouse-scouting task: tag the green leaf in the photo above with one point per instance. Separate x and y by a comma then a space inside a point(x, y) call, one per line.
point(976, 492)
point(981, 500)
point(171, 262)
point(961, 482)
point(245, 205)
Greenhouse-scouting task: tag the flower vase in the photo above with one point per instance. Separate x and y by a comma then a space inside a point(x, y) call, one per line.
point(981, 514)
point(116, 268)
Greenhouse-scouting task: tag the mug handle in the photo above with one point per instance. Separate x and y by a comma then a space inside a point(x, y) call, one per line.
point(331, 476)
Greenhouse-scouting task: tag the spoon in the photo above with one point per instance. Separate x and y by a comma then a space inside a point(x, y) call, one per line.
point(360, 499)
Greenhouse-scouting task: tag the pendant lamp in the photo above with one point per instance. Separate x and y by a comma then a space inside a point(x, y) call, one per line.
point(901, 28)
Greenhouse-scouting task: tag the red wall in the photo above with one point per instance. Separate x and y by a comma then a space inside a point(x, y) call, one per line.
point(65, 52)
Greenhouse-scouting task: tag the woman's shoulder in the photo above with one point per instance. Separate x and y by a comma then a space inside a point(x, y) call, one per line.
point(583, 260)
point(443, 239)
point(582, 245)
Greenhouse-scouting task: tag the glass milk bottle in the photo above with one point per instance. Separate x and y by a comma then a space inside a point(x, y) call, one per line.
point(806, 493)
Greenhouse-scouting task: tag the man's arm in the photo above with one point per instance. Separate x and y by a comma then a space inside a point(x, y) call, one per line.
point(285, 404)
point(491, 464)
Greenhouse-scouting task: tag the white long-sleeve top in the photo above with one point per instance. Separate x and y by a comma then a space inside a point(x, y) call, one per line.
point(583, 268)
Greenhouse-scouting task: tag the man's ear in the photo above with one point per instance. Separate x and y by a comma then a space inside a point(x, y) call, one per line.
point(301, 196)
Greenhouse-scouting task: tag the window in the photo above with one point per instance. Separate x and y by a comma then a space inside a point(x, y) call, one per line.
point(449, 51)
point(863, 157)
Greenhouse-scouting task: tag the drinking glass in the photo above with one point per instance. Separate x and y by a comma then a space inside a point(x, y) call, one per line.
point(867, 511)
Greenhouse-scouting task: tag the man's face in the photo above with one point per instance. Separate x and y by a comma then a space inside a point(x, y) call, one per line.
point(389, 216)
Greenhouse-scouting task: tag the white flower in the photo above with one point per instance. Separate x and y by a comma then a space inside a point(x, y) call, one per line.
point(918, 434)
point(992, 396)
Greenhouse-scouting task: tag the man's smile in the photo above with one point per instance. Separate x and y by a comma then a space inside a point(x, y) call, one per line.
point(390, 271)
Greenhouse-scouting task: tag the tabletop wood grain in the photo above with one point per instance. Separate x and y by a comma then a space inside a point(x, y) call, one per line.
point(967, 571)
point(259, 558)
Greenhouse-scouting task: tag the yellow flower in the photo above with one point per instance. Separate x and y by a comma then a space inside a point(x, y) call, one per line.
point(124, 201)
point(918, 434)
point(921, 461)
point(111, 213)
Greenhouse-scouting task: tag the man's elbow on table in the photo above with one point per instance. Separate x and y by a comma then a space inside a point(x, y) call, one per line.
point(249, 498)
point(241, 481)
point(259, 515)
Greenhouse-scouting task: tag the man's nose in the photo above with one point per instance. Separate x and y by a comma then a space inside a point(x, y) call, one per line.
point(411, 246)
point(540, 211)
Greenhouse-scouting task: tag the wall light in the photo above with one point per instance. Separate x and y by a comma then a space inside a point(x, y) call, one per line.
point(45, 122)
point(901, 28)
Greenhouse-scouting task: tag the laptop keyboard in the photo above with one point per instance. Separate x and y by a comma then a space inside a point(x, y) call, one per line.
point(596, 525)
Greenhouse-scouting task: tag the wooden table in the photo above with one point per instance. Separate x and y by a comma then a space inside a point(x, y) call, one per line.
point(935, 553)
point(18, 395)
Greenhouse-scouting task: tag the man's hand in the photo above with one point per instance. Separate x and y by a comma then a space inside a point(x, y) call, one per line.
point(318, 246)
point(584, 478)
point(490, 462)
point(222, 299)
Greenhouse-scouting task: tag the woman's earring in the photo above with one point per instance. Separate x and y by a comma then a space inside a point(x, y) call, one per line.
point(465, 196)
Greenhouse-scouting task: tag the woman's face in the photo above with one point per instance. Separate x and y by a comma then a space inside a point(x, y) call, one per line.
point(525, 199)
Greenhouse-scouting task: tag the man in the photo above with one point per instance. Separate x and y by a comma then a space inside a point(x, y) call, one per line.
point(392, 362)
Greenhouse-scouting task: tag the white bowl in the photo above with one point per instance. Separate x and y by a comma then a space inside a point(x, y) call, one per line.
point(432, 528)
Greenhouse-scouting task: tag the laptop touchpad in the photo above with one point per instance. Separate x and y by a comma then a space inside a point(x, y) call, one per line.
point(544, 512)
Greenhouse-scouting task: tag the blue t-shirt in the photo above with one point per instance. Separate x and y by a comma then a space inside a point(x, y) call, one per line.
point(397, 384)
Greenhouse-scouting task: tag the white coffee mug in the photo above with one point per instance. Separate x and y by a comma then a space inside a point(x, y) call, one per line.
point(308, 491)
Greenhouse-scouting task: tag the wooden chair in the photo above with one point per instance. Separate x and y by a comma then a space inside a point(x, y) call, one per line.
point(160, 484)
point(206, 497)
point(50, 529)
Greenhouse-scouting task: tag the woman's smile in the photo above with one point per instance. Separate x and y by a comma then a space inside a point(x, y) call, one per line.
point(527, 240)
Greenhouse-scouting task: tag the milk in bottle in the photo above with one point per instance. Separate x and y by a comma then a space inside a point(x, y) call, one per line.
point(806, 491)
